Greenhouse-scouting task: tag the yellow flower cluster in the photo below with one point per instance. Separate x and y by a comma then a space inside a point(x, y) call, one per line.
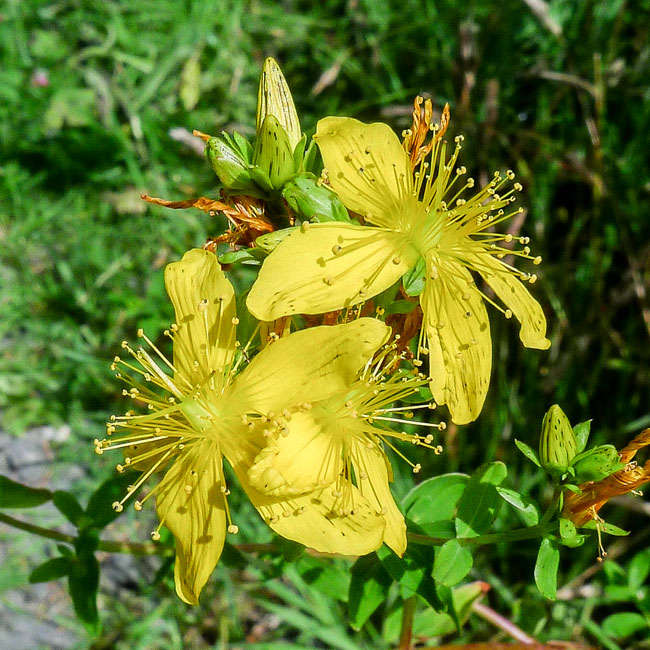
point(304, 422)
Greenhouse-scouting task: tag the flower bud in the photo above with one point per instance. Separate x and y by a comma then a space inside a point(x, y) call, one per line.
point(274, 98)
point(557, 444)
point(308, 199)
point(273, 157)
point(228, 165)
point(596, 464)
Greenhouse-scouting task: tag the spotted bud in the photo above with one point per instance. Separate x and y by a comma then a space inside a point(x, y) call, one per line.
point(273, 162)
point(557, 444)
point(274, 98)
point(596, 464)
point(308, 199)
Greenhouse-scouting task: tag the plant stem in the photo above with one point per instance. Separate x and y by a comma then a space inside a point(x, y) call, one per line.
point(503, 623)
point(491, 538)
point(132, 548)
point(406, 633)
point(37, 530)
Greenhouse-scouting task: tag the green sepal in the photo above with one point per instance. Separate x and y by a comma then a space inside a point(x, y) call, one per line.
point(581, 432)
point(228, 165)
point(299, 154)
point(242, 255)
point(273, 156)
point(309, 161)
point(268, 242)
point(308, 199)
point(414, 280)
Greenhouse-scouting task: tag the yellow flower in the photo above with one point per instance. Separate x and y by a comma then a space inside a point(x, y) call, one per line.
point(419, 218)
point(584, 506)
point(211, 408)
point(340, 442)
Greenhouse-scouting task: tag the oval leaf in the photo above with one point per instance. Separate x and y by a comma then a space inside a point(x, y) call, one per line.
point(453, 562)
point(548, 561)
point(17, 495)
point(53, 569)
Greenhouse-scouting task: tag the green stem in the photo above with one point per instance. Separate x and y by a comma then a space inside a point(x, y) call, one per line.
point(406, 633)
point(133, 548)
point(491, 538)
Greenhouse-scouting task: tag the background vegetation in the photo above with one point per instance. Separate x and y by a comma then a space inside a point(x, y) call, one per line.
point(97, 101)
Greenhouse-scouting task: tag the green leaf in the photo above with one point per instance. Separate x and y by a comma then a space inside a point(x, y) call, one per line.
point(68, 505)
point(333, 580)
point(70, 107)
point(526, 509)
point(453, 562)
point(100, 505)
point(435, 501)
point(638, 569)
point(548, 561)
point(480, 503)
point(17, 495)
point(53, 569)
point(624, 624)
point(412, 572)
point(569, 534)
point(604, 527)
point(528, 451)
point(581, 432)
point(414, 280)
point(83, 581)
point(368, 589)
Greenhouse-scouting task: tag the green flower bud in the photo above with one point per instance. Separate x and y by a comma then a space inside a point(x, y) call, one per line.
point(557, 444)
point(274, 98)
point(308, 199)
point(273, 156)
point(228, 165)
point(596, 464)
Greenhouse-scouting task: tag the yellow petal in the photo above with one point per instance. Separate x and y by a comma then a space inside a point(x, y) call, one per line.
point(458, 333)
point(328, 266)
point(204, 303)
point(310, 520)
point(307, 366)
point(517, 297)
point(306, 459)
point(192, 507)
point(274, 98)
point(375, 473)
point(368, 169)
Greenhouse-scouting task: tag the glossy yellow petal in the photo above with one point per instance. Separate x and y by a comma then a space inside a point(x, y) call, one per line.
point(328, 266)
point(274, 98)
point(308, 365)
point(191, 505)
point(302, 461)
point(368, 169)
point(458, 333)
point(204, 303)
point(312, 519)
point(373, 468)
point(518, 299)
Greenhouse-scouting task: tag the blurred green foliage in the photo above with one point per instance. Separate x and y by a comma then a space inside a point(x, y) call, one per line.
point(97, 101)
